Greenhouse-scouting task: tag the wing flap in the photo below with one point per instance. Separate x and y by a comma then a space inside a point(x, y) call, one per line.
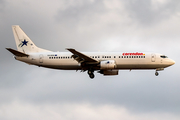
point(17, 53)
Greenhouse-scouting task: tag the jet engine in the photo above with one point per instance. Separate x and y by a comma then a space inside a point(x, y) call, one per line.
point(109, 72)
point(107, 64)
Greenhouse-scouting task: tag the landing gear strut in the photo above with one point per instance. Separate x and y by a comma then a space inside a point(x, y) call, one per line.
point(156, 73)
point(91, 74)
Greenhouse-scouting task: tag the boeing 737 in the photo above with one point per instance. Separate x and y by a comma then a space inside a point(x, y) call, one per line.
point(106, 63)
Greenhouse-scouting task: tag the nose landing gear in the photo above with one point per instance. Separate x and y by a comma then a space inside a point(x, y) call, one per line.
point(158, 69)
point(156, 73)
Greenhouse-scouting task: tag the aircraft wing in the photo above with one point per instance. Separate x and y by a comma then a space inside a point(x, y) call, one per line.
point(17, 53)
point(80, 57)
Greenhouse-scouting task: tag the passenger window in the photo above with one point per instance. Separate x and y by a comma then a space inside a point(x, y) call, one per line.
point(129, 56)
point(124, 56)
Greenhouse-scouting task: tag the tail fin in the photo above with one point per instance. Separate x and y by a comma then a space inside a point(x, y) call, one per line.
point(23, 42)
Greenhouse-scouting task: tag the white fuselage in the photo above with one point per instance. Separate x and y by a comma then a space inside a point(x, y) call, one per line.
point(106, 63)
point(63, 60)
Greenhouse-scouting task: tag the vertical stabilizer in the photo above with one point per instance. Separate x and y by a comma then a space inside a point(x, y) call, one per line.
point(23, 42)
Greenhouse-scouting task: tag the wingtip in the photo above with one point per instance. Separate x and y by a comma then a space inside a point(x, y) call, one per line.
point(7, 48)
point(70, 49)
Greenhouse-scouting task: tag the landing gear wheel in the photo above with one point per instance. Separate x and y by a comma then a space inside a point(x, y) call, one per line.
point(90, 72)
point(91, 76)
point(156, 73)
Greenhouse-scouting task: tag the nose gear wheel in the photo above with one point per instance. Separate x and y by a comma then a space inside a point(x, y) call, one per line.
point(156, 73)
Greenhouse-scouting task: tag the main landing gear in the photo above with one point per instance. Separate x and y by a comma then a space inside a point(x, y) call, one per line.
point(91, 74)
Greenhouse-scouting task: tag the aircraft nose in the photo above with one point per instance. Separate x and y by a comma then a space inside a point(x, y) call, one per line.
point(172, 62)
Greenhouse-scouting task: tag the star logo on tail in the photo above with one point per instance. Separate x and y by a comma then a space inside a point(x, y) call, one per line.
point(24, 43)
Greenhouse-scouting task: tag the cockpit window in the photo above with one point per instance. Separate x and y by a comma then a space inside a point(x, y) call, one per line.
point(163, 56)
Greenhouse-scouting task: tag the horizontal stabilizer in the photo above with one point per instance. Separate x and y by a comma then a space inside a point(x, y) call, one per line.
point(17, 53)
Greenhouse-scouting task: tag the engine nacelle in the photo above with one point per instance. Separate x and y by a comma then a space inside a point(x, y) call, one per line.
point(107, 64)
point(109, 72)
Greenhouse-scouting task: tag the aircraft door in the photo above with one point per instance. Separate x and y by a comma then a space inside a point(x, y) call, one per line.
point(41, 58)
point(153, 57)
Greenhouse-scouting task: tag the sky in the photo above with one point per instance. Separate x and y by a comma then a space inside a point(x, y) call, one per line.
point(29, 92)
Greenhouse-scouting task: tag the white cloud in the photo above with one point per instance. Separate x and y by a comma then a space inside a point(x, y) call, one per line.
point(20, 110)
point(156, 4)
point(114, 4)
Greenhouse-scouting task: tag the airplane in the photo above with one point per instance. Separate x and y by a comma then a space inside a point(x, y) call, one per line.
point(106, 63)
